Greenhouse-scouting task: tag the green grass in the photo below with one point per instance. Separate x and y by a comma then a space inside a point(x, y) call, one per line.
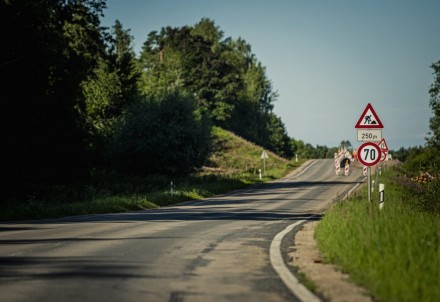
point(394, 252)
point(233, 164)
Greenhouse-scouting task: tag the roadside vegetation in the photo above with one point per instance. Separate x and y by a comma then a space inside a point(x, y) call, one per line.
point(233, 163)
point(394, 252)
point(92, 126)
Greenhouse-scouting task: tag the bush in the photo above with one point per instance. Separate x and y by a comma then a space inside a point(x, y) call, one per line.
point(423, 159)
point(165, 135)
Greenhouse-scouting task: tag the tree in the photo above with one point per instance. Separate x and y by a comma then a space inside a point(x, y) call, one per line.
point(124, 63)
point(161, 66)
point(104, 98)
point(434, 122)
point(298, 146)
point(191, 58)
point(50, 47)
point(223, 75)
point(108, 91)
point(345, 144)
point(165, 135)
point(277, 138)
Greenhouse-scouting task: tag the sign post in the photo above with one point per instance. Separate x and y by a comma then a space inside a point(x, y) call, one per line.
point(263, 157)
point(369, 130)
point(369, 126)
point(369, 154)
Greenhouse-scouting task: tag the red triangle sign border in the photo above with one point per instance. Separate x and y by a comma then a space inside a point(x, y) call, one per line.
point(385, 143)
point(373, 112)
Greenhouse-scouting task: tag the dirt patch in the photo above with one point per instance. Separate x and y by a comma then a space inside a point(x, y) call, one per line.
point(329, 281)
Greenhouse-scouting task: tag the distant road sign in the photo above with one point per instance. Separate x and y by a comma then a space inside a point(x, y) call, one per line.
point(384, 156)
point(264, 155)
point(369, 135)
point(383, 145)
point(369, 119)
point(369, 154)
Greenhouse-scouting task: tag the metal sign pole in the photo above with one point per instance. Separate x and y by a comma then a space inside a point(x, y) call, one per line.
point(377, 175)
point(264, 166)
point(369, 183)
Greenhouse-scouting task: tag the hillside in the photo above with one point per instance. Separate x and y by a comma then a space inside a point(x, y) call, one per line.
point(232, 154)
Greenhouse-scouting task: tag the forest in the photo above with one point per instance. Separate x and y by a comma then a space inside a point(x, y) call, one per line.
point(78, 97)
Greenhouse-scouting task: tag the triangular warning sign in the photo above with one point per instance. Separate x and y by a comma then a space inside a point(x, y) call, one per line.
point(264, 155)
point(369, 119)
point(383, 145)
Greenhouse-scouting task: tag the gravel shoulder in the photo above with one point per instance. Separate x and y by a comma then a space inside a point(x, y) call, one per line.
point(329, 281)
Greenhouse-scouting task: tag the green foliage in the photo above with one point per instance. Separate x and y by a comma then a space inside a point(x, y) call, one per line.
point(51, 47)
point(434, 122)
point(232, 154)
point(103, 105)
point(123, 62)
point(304, 150)
point(228, 83)
point(393, 252)
point(429, 200)
point(166, 135)
point(107, 93)
point(277, 139)
point(422, 159)
point(401, 154)
point(345, 144)
point(80, 99)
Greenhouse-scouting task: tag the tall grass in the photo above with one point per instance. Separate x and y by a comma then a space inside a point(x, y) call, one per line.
point(394, 252)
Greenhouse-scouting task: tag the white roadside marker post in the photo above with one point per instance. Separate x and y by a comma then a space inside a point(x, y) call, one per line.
point(381, 195)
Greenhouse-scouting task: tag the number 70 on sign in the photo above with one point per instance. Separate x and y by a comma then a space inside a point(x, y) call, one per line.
point(369, 154)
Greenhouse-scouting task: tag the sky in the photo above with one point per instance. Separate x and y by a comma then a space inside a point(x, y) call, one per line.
point(326, 59)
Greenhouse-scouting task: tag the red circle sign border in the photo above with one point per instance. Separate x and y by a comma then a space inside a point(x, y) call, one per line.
point(378, 157)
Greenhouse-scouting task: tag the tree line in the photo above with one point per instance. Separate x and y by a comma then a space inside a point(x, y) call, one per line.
point(78, 97)
point(427, 157)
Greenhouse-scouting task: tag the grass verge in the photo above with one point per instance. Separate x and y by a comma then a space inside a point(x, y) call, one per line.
point(394, 252)
point(233, 164)
point(126, 195)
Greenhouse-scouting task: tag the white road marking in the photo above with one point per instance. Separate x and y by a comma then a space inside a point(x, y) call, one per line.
point(276, 259)
point(303, 171)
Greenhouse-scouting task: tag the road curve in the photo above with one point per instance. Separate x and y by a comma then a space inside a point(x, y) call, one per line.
point(211, 250)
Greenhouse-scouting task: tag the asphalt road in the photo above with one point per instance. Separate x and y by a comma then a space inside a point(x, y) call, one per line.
point(211, 250)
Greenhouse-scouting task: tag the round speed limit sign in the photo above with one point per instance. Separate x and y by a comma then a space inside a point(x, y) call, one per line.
point(369, 154)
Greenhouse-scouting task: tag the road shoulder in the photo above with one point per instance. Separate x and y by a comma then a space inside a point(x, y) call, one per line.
point(329, 282)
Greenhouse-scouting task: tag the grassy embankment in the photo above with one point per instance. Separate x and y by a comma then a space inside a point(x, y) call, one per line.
point(233, 164)
point(394, 252)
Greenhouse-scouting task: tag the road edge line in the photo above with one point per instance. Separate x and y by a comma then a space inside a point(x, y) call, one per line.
point(277, 261)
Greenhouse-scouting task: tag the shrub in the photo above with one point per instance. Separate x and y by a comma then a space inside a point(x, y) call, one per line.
point(162, 135)
point(424, 159)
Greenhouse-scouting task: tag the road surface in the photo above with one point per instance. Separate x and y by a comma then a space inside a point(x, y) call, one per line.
point(211, 250)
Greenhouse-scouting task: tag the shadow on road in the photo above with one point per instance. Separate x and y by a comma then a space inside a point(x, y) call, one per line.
point(223, 207)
